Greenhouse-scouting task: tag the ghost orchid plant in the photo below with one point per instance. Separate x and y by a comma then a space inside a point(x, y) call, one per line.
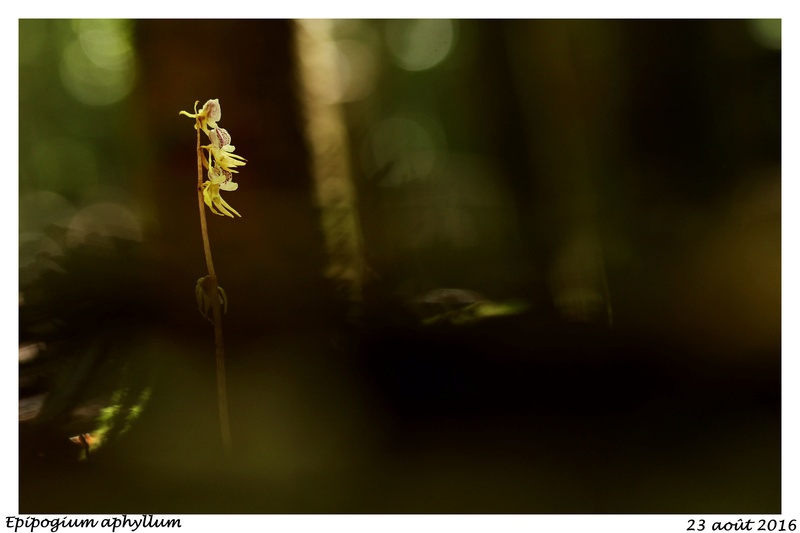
point(220, 162)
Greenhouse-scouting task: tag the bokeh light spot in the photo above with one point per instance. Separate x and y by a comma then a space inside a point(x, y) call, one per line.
point(40, 209)
point(98, 67)
point(98, 223)
point(419, 44)
point(766, 32)
point(35, 247)
point(404, 147)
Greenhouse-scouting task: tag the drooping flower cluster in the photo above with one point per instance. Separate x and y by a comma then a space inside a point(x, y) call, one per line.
point(221, 162)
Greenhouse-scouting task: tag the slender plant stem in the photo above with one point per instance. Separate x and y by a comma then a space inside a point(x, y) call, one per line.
point(222, 392)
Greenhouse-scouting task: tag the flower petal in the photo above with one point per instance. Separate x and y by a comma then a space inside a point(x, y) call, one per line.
point(212, 110)
point(220, 138)
point(208, 196)
point(215, 202)
point(223, 206)
point(218, 175)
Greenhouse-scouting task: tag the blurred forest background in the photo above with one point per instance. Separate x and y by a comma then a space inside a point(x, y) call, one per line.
point(483, 266)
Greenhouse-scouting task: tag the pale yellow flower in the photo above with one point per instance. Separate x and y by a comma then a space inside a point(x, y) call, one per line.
point(222, 150)
point(215, 202)
point(208, 116)
point(219, 179)
point(223, 178)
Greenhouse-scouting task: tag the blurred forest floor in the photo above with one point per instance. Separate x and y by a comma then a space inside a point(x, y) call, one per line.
point(508, 417)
